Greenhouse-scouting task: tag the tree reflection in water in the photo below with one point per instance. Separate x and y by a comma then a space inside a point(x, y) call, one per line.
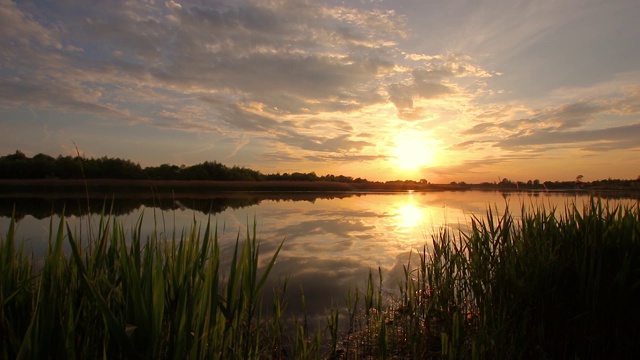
point(331, 239)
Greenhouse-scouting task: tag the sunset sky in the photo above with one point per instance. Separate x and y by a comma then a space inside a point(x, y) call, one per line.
point(381, 89)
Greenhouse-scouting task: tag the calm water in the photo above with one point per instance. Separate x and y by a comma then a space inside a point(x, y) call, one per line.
point(331, 240)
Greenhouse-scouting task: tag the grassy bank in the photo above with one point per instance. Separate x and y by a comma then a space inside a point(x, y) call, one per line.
point(543, 284)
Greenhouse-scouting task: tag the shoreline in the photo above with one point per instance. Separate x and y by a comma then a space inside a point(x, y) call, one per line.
point(78, 188)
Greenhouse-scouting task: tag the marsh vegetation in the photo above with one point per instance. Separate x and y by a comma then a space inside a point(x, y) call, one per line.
point(526, 283)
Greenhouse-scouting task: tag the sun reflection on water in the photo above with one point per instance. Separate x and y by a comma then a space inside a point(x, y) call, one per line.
point(409, 215)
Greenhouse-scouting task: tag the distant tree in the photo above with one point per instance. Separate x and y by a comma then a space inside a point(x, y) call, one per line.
point(68, 167)
point(116, 168)
point(162, 172)
point(42, 166)
point(18, 155)
point(506, 183)
point(13, 166)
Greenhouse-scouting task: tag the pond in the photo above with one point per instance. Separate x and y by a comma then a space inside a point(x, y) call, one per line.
point(331, 240)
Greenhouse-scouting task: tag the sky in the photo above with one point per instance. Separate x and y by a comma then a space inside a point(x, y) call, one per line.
point(445, 91)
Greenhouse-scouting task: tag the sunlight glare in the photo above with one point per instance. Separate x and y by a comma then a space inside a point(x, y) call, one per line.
point(411, 153)
point(410, 215)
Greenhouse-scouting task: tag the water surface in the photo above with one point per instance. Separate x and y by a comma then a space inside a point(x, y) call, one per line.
point(331, 241)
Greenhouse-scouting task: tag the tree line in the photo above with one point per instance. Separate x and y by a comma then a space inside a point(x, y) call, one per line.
point(42, 166)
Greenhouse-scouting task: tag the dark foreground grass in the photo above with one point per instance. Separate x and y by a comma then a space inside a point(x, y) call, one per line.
point(548, 284)
point(151, 298)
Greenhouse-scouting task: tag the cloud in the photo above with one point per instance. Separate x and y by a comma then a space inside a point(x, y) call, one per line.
point(309, 79)
point(618, 137)
point(304, 83)
point(238, 145)
point(173, 5)
point(336, 227)
point(235, 116)
point(279, 157)
point(572, 115)
point(286, 58)
point(465, 145)
point(62, 96)
point(22, 30)
point(288, 133)
point(185, 120)
point(438, 77)
point(600, 146)
point(285, 73)
point(344, 158)
point(474, 166)
point(594, 121)
point(339, 144)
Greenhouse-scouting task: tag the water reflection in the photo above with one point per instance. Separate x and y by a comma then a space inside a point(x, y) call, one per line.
point(44, 206)
point(410, 215)
point(330, 240)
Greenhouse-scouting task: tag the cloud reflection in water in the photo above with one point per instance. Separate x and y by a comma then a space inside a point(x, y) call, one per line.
point(330, 244)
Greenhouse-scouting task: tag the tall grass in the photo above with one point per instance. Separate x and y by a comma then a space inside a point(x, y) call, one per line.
point(548, 284)
point(148, 298)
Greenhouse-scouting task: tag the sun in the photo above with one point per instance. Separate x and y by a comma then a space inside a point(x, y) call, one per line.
point(411, 153)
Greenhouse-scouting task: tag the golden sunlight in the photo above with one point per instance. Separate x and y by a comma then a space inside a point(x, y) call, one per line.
point(412, 152)
point(409, 215)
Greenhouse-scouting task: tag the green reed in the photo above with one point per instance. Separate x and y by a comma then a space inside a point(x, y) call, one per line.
point(143, 298)
point(544, 284)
